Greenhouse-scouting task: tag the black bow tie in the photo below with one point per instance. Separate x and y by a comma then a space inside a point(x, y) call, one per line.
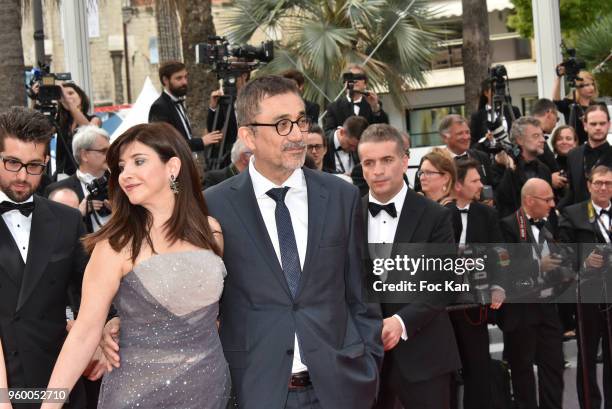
point(179, 102)
point(339, 149)
point(466, 211)
point(375, 208)
point(24, 208)
point(537, 223)
point(463, 156)
point(605, 211)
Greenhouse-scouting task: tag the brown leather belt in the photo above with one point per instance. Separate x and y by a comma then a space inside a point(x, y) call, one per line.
point(299, 380)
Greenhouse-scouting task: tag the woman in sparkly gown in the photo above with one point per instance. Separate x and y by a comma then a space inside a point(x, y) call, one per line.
point(159, 259)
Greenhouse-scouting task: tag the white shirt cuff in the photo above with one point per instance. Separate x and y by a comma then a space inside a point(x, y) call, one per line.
point(401, 321)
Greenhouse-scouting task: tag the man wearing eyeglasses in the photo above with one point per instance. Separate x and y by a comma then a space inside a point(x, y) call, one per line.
point(89, 147)
point(41, 257)
point(294, 327)
point(589, 223)
point(527, 134)
point(529, 320)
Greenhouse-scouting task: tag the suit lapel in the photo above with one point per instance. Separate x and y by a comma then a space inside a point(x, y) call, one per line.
point(78, 189)
point(42, 236)
point(178, 123)
point(409, 217)
point(11, 261)
point(247, 209)
point(317, 205)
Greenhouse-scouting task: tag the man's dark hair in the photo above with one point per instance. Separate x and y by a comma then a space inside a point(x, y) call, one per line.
point(294, 75)
point(168, 68)
point(250, 96)
point(596, 107)
point(383, 133)
point(354, 126)
point(26, 125)
point(463, 166)
point(542, 106)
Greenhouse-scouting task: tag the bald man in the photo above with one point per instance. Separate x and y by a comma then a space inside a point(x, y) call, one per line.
point(65, 196)
point(532, 331)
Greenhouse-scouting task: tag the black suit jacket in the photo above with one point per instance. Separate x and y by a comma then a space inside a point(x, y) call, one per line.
point(312, 110)
point(164, 110)
point(514, 314)
point(73, 183)
point(577, 189)
point(340, 109)
point(34, 295)
point(213, 177)
point(478, 122)
point(329, 160)
point(508, 192)
point(431, 349)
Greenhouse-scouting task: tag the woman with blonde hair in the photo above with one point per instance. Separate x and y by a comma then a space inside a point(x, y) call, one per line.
point(585, 95)
point(437, 175)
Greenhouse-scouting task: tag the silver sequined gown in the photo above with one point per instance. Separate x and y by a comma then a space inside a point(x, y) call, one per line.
point(171, 355)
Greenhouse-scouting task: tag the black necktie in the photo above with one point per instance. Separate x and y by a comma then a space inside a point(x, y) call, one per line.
point(24, 208)
point(537, 223)
point(375, 208)
point(290, 258)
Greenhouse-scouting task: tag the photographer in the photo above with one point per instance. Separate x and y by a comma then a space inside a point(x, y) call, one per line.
point(89, 147)
point(72, 113)
point(527, 134)
point(357, 101)
point(588, 223)
point(479, 127)
point(586, 94)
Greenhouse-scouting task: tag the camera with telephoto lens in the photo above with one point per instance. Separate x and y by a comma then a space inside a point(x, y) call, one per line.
point(49, 93)
point(98, 190)
point(229, 61)
point(349, 79)
point(572, 65)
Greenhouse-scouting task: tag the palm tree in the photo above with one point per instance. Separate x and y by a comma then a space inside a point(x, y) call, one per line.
point(475, 51)
point(594, 44)
point(11, 49)
point(168, 30)
point(320, 37)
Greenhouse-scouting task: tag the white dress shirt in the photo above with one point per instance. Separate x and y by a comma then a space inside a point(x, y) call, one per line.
point(19, 226)
point(181, 112)
point(356, 107)
point(296, 201)
point(464, 222)
point(603, 221)
point(382, 228)
point(343, 160)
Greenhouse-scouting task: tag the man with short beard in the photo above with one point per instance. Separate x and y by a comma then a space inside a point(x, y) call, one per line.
point(170, 108)
point(41, 257)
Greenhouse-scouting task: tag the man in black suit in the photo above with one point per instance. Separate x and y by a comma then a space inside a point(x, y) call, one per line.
point(532, 332)
point(41, 257)
point(295, 329)
point(170, 108)
point(358, 102)
point(588, 223)
point(89, 147)
point(421, 352)
point(596, 151)
point(341, 155)
point(240, 155)
point(475, 223)
point(527, 133)
point(312, 108)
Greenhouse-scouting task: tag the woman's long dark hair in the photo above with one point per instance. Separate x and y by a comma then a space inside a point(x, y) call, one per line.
point(131, 224)
point(65, 120)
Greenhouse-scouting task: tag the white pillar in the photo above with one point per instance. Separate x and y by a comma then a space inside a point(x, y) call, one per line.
point(76, 44)
point(547, 32)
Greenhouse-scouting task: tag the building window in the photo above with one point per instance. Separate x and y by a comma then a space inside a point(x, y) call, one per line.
point(423, 123)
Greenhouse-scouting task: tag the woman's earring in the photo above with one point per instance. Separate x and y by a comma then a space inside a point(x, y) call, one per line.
point(174, 186)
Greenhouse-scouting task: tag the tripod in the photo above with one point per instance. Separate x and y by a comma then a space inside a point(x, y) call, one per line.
point(51, 112)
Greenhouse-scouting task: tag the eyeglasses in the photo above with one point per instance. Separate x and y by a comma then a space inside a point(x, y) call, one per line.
point(315, 147)
point(285, 126)
point(14, 165)
point(103, 151)
point(546, 199)
point(428, 173)
point(600, 183)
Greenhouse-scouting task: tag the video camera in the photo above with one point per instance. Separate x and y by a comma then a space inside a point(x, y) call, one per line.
point(98, 190)
point(572, 65)
point(229, 61)
point(349, 78)
point(48, 91)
